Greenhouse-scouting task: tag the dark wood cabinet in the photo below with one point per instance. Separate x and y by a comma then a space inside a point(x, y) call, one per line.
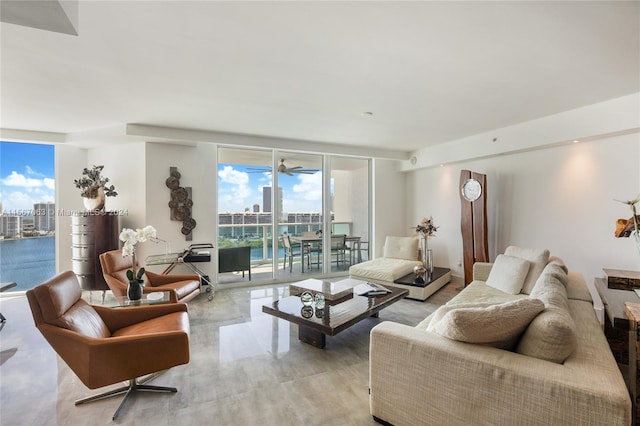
point(91, 235)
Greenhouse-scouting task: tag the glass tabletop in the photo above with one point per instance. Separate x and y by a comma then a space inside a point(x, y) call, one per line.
point(154, 298)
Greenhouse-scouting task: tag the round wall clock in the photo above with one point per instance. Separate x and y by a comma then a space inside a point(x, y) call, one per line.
point(471, 190)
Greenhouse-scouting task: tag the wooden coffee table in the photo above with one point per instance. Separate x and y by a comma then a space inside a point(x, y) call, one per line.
point(315, 324)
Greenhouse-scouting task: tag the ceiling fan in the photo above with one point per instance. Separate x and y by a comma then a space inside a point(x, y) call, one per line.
point(282, 168)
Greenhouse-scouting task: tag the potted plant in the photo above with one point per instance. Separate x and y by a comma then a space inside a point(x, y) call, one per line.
point(130, 238)
point(94, 188)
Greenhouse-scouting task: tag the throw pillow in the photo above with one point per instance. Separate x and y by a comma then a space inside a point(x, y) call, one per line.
point(498, 325)
point(401, 248)
point(558, 261)
point(538, 259)
point(551, 335)
point(508, 274)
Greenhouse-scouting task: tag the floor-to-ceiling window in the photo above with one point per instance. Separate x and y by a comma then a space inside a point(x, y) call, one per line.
point(245, 208)
point(27, 214)
point(292, 208)
point(300, 184)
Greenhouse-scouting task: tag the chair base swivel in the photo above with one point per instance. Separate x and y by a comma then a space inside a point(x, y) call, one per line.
point(134, 386)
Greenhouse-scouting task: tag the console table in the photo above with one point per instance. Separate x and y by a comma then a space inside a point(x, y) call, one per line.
point(632, 311)
point(616, 322)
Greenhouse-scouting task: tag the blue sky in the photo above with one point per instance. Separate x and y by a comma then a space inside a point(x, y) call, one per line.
point(26, 175)
point(239, 189)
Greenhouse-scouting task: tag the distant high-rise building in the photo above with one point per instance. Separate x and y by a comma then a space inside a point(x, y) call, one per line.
point(256, 208)
point(266, 199)
point(44, 216)
point(1, 207)
point(10, 226)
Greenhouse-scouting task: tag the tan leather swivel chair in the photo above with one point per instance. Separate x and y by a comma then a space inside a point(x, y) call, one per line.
point(182, 288)
point(104, 345)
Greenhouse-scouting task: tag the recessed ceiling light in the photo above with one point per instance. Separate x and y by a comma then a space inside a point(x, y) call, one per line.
point(576, 141)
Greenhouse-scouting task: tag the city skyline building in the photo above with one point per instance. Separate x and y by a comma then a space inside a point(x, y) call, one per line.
point(266, 199)
point(44, 216)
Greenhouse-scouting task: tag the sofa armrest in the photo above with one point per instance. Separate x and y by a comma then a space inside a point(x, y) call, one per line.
point(481, 271)
point(418, 377)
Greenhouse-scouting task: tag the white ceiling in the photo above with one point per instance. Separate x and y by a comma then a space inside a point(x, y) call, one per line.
point(430, 72)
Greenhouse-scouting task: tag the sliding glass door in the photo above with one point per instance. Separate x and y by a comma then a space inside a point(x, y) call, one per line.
point(245, 211)
point(299, 180)
point(301, 214)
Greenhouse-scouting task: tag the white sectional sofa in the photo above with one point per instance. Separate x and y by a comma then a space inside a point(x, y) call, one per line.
point(513, 347)
point(400, 256)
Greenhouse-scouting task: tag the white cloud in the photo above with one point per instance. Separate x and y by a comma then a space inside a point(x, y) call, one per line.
point(230, 175)
point(16, 179)
point(25, 191)
point(49, 183)
point(234, 191)
point(32, 172)
point(309, 187)
point(305, 195)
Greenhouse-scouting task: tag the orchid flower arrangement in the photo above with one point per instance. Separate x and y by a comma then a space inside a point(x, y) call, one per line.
point(130, 239)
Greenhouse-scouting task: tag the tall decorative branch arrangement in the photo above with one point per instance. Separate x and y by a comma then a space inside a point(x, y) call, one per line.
point(427, 229)
point(624, 228)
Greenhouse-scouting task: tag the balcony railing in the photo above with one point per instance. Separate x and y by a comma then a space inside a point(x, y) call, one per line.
point(259, 236)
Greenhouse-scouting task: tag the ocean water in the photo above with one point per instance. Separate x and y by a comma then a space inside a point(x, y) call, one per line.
point(27, 262)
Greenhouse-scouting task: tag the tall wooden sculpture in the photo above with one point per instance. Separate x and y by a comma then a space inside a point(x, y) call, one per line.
point(473, 196)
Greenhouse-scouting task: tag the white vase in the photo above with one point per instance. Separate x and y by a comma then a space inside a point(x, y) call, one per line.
point(96, 203)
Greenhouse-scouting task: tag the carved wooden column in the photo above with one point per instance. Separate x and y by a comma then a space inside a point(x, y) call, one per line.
point(473, 196)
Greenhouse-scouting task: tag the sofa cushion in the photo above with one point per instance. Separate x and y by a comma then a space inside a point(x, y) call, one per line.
point(498, 325)
point(83, 319)
point(538, 259)
point(383, 269)
point(401, 248)
point(552, 334)
point(508, 274)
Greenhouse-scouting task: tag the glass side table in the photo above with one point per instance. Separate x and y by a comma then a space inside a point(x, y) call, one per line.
point(154, 298)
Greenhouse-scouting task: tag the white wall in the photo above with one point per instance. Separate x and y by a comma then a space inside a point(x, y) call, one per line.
point(389, 204)
point(198, 170)
point(558, 198)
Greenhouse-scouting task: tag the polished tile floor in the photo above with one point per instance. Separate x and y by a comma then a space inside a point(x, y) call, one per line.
point(246, 368)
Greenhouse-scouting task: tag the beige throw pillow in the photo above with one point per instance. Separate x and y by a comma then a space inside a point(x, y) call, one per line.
point(401, 248)
point(538, 259)
point(498, 325)
point(508, 274)
point(551, 335)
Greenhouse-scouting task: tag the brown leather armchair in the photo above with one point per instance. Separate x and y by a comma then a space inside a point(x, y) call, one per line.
point(182, 288)
point(103, 345)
